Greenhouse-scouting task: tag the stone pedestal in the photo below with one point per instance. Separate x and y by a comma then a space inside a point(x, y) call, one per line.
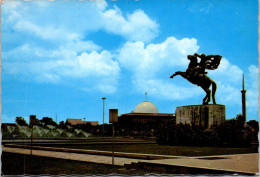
point(204, 115)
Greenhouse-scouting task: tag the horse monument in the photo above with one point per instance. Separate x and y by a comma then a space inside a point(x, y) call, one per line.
point(206, 114)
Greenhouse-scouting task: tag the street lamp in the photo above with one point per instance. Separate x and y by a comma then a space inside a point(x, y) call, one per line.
point(103, 113)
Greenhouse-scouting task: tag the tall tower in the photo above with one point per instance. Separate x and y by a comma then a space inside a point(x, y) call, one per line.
point(243, 100)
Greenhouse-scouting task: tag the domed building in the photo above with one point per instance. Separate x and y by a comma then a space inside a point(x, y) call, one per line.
point(145, 116)
point(146, 107)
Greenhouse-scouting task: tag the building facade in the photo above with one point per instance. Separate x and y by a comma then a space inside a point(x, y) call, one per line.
point(80, 122)
point(145, 116)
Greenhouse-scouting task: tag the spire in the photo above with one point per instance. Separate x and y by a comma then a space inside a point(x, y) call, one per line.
point(243, 100)
point(243, 84)
point(145, 96)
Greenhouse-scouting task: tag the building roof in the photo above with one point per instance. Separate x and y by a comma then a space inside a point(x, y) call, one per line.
point(148, 114)
point(146, 107)
point(93, 123)
point(79, 121)
point(74, 121)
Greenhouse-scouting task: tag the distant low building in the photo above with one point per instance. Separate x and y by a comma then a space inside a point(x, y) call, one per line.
point(93, 123)
point(74, 121)
point(80, 122)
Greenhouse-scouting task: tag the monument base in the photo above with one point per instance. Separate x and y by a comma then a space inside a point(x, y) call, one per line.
point(203, 115)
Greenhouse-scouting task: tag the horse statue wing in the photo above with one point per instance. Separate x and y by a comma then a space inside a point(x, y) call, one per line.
point(212, 62)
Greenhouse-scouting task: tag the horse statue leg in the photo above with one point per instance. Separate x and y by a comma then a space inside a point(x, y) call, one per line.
point(206, 99)
point(214, 88)
point(175, 74)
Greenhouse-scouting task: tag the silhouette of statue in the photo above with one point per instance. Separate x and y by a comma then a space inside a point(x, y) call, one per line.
point(196, 73)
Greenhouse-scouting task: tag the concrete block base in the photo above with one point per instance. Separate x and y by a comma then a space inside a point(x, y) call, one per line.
point(204, 115)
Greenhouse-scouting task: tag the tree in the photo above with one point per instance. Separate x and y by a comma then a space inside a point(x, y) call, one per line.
point(254, 124)
point(88, 127)
point(47, 121)
point(62, 124)
point(37, 122)
point(240, 119)
point(233, 133)
point(20, 121)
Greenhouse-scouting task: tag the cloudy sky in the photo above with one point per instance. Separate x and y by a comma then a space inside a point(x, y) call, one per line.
point(61, 57)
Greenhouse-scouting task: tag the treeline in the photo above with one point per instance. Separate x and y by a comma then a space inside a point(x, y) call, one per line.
point(46, 127)
point(44, 121)
point(66, 127)
point(231, 133)
point(136, 131)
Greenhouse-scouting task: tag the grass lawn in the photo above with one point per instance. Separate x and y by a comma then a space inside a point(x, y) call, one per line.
point(167, 150)
point(19, 164)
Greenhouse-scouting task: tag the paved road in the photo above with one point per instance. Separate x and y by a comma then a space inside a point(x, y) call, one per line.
point(119, 161)
point(238, 163)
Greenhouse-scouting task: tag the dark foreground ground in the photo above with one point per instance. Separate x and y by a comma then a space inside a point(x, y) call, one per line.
point(165, 149)
point(18, 164)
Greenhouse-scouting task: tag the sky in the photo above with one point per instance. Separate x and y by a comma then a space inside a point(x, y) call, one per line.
point(59, 58)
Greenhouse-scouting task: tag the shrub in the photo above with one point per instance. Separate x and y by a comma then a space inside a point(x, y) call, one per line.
point(231, 133)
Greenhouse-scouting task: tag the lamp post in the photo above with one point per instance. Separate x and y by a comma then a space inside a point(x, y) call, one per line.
point(32, 122)
point(113, 118)
point(103, 113)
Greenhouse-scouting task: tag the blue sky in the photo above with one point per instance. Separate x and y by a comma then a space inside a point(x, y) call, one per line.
point(61, 57)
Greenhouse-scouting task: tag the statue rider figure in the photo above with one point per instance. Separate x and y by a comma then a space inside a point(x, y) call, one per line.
point(191, 70)
point(202, 64)
point(195, 68)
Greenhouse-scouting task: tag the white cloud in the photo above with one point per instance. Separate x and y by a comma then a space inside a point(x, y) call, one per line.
point(136, 27)
point(81, 46)
point(167, 90)
point(45, 32)
point(87, 65)
point(94, 68)
point(145, 62)
point(72, 55)
point(153, 63)
point(52, 44)
point(101, 4)
point(94, 16)
point(96, 64)
point(228, 94)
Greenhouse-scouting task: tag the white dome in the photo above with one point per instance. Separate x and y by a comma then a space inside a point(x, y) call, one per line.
point(146, 107)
